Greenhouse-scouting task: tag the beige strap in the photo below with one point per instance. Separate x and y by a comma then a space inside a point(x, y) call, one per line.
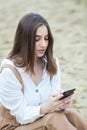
point(17, 74)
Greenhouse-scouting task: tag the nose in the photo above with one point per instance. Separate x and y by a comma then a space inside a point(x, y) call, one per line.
point(43, 43)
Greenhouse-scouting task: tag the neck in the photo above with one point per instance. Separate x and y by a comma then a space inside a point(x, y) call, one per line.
point(37, 60)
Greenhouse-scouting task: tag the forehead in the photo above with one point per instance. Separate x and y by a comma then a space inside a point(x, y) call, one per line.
point(42, 30)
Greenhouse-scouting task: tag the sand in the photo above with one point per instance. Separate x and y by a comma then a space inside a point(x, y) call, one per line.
point(68, 21)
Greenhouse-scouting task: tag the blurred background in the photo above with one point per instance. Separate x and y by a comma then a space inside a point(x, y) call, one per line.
point(68, 21)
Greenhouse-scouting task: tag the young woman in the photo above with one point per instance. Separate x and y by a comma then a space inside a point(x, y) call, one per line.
point(37, 107)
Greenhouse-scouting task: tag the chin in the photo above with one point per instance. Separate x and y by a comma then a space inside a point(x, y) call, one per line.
point(40, 56)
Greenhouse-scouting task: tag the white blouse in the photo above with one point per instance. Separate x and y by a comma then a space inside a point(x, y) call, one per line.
point(26, 106)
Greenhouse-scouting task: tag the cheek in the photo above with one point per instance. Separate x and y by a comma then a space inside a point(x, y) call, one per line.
point(36, 46)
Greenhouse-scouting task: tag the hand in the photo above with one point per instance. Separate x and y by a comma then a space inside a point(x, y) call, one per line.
point(54, 104)
point(65, 103)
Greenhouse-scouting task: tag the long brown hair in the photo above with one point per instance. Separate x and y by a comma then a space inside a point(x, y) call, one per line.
point(22, 52)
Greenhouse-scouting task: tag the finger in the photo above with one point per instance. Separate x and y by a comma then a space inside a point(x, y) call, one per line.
point(67, 99)
point(61, 108)
point(59, 96)
point(54, 95)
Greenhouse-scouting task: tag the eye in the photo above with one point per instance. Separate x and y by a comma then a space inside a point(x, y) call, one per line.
point(46, 38)
point(37, 38)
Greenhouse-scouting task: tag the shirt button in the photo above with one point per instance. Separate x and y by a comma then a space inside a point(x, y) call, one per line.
point(39, 103)
point(36, 90)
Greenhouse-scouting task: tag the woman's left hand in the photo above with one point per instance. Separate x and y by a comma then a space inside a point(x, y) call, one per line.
point(65, 103)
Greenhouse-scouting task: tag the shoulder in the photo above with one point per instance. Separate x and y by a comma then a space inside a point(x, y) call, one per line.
point(58, 65)
point(56, 60)
point(6, 61)
point(8, 80)
point(7, 73)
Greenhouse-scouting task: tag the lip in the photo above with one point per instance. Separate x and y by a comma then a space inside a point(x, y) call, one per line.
point(41, 51)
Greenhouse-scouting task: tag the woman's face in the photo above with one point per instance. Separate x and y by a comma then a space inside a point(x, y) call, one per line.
point(41, 41)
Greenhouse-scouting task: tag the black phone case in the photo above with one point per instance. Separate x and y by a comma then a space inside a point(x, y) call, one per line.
point(67, 93)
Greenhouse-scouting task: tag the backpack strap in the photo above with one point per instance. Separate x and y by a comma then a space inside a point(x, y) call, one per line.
point(17, 74)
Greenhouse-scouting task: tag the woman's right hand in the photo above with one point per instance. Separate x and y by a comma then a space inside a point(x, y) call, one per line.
point(53, 104)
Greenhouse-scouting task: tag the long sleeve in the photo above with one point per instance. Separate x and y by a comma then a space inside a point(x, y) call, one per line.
point(12, 98)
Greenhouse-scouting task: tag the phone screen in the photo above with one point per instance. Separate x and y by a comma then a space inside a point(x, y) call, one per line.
point(68, 93)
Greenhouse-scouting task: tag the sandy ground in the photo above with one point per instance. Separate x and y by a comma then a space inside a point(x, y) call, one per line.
point(68, 21)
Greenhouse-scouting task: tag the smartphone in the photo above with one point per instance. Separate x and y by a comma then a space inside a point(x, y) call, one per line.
point(68, 93)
